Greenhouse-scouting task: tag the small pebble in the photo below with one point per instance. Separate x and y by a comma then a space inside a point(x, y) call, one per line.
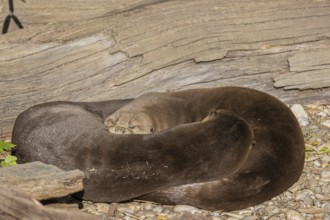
point(271, 210)
point(134, 206)
point(322, 114)
point(149, 214)
point(147, 206)
point(326, 208)
point(125, 209)
point(326, 123)
point(308, 201)
point(301, 115)
point(274, 218)
point(325, 174)
point(102, 207)
point(317, 163)
point(186, 208)
point(294, 215)
point(158, 209)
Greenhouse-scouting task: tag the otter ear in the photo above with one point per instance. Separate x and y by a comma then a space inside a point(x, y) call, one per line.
point(112, 121)
point(213, 113)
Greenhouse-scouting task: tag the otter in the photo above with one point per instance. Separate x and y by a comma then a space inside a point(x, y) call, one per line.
point(214, 148)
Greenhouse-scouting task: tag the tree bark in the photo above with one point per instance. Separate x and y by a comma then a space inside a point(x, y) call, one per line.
point(99, 50)
point(41, 181)
point(16, 206)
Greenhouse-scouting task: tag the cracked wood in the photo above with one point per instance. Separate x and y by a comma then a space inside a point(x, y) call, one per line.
point(98, 50)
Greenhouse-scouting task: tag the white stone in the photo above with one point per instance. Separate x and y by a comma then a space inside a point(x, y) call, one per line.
point(124, 209)
point(301, 115)
point(102, 207)
point(294, 215)
point(149, 214)
point(274, 218)
point(308, 201)
point(326, 208)
point(321, 114)
point(317, 163)
point(325, 174)
point(186, 208)
point(158, 209)
point(272, 209)
point(326, 123)
point(147, 206)
point(134, 206)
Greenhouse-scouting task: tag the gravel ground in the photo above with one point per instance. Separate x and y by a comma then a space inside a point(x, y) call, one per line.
point(308, 199)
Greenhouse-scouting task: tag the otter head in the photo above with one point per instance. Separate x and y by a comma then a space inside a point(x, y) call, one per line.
point(122, 122)
point(212, 114)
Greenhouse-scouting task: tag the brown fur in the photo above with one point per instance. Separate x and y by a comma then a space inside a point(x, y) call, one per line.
point(149, 113)
point(206, 163)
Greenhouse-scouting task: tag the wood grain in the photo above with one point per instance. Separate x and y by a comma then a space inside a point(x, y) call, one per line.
point(41, 181)
point(96, 50)
point(16, 206)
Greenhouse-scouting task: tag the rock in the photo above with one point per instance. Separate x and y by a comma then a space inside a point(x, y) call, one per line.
point(102, 207)
point(294, 215)
point(124, 209)
point(272, 210)
point(326, 208)
point(158, 209)
point(274, 218)
point(186, 215)
point(325, 161)
point(147, 206)
point(161, 217)
point(112, 209)
point(308, 201)
point(317, 163)
point(321, 114)
point(149, 214)
point(135, 206)
point(186, 208)
point(326, 211)
point(234, 215)
point(326, 123)
point(325, 174)
point(301, 115)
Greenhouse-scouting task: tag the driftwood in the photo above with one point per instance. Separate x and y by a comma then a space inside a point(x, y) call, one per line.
point(16, 206)
point(98, 50)
point(41, 181)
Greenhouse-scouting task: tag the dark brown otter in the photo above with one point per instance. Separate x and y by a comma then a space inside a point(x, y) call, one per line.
point(206, 163)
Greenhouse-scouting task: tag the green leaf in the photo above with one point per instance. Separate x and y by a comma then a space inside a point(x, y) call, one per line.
point(6, 146)
point(308, 149)
point(9, 161)
point(325, 150)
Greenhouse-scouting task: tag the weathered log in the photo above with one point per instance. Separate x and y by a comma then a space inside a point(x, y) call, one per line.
point(41, 181)
point(97, 50)
point(16, 206)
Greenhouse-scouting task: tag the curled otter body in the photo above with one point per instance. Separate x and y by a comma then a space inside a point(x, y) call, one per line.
point(206, 163)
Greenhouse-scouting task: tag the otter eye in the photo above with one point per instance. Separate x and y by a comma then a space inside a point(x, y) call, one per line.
point(151, 130)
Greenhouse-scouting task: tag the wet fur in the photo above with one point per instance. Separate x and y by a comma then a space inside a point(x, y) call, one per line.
point(208, 164)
